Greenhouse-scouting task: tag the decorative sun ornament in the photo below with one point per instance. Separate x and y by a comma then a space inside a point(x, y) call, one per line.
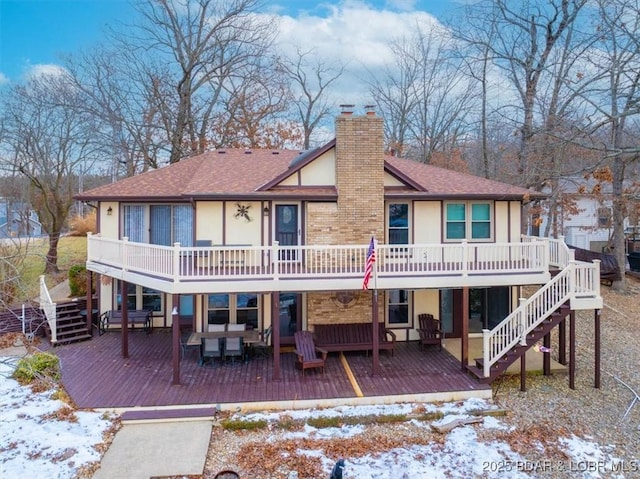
point(243, 212)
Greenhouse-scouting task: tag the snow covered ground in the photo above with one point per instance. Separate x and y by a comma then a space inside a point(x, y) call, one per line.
point(34, 443)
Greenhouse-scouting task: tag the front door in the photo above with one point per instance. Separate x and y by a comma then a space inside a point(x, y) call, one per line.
point(287, 231)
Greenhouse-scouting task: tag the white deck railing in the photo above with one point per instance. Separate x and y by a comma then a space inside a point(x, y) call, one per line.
point(575, 281)
point(560, 255)
point(49, 308)
point(177, 263)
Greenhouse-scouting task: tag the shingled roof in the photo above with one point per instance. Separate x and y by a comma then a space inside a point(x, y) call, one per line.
point(244, 173)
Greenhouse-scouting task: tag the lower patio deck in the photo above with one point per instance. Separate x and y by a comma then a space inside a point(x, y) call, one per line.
point(96, 376)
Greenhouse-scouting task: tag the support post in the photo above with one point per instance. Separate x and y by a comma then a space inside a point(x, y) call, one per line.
point(89, 306)
point(572, 350)
point(464, 337)
point(375, 369)
point(124, 325)
point(546, 357)
point(175, 329)
point(562, 342)
point(597, 348)
point(275, 335)
point(523, 372)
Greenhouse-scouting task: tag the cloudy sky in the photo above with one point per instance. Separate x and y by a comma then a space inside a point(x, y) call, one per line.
point(35, 33)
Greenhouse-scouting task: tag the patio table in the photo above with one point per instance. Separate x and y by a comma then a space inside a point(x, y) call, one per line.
point(248, 337)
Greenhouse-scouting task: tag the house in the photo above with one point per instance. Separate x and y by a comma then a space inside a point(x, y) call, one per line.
point(17, 220)
point(585, 215)
point(280, 238)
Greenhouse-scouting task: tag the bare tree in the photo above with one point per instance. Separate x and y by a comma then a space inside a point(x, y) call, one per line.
point(50, 140)
point(116, 93)
point(188, 50)
point(423, 96)
point(521, 41)
point(614, 101)
point(312, 79)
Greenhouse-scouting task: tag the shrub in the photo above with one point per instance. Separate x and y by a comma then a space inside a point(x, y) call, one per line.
point(41, 367)
point(78, 281)
point(240, 425)
point(81, 225)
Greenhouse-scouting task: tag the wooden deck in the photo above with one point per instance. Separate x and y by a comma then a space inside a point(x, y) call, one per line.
point(96, 376)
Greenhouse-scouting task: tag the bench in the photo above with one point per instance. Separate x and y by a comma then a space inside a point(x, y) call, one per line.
point(352, 337)
point(135, 317)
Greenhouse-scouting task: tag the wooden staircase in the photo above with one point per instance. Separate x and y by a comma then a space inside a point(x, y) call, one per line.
point(516, 352)
point(71, 326)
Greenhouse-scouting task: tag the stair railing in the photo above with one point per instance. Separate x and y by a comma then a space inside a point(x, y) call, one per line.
point(576, 280)
point(49, 309)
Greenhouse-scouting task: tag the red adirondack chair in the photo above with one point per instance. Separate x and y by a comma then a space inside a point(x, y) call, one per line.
point(307, 352)
point(429, 330)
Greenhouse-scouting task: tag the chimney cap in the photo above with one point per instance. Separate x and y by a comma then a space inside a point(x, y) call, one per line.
point(370, 109)
point(346, 108)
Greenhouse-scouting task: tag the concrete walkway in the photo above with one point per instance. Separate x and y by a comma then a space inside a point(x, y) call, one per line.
point(141, 451)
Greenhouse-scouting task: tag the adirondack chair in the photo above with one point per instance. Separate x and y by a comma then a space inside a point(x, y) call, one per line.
point(429, 330)
point(307, 352)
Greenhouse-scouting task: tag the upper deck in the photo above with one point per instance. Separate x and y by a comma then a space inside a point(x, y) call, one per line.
point(242, 268)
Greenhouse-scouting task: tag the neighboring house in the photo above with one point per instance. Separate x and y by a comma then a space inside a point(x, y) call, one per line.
point(266, 237)
point(585, 214)
point(18, 220)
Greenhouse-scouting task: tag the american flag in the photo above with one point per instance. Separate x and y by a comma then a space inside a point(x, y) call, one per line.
point(368, 269)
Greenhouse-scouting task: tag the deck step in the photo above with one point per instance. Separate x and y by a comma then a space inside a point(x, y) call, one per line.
point(168, 415)
point(71, 339)
point(478, 374)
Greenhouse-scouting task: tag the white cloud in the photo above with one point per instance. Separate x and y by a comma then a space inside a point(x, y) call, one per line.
point(4, 79)
point(42, 69)
point(355, 34)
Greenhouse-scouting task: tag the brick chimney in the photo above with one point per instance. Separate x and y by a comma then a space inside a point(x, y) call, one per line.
point(360, 176)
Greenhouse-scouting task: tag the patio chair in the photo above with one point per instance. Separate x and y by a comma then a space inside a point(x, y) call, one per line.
point(216, 328)
point(184, 344)
point(235, 327)
point(233, 348)
point(210, 349)
point(261, 348)
point(307, 352)
point(429, 330)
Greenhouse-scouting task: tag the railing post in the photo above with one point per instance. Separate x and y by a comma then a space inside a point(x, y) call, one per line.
point(521, 322)
point(485, 353)
point(546, 254)
point(49, 309)
point(89, 248)
point(176, 262)
point(596, 277)
point(125, 240)
point(275, 259)
point(572, 277)
point(465, 258)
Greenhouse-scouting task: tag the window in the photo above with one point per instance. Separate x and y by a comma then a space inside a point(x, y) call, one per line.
point(398, 307)
point(247, 310)
point(470, 221)
point(398, 223)
point(158, 224)
point(218, 309)
point(139, 297)
point(604, 217)
point(230, 308)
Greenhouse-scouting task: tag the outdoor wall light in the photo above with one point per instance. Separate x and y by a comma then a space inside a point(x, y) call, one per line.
point(265, 211)
point(175, 310)
point(109, 211)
